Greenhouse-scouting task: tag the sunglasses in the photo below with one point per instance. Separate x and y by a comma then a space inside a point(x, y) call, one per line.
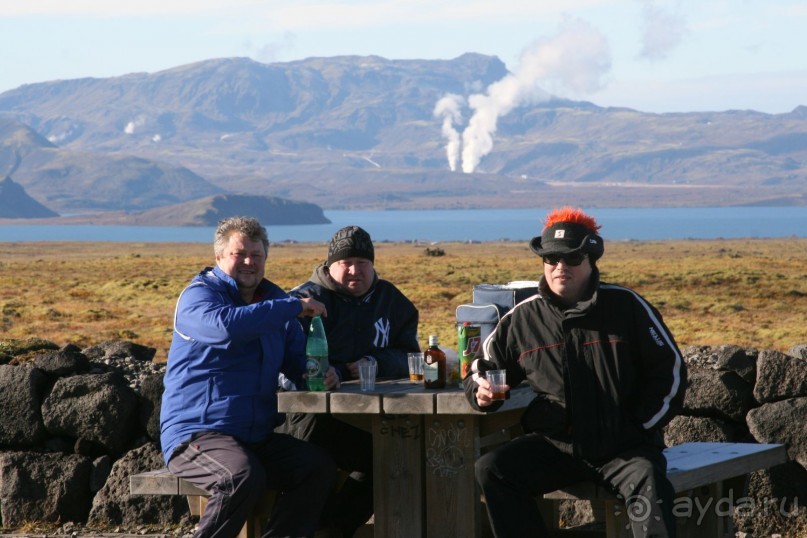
point(573, 260)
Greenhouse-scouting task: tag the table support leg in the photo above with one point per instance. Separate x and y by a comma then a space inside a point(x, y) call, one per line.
point(397, 476)
point(452, 497)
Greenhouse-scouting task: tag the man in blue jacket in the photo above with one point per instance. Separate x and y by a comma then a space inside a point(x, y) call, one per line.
point(234, 332)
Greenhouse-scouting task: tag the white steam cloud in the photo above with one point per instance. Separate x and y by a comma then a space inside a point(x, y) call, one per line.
point(133, 125)
point(449, 108)
point(573, 61)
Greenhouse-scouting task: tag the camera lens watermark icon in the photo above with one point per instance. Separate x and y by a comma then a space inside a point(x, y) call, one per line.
point(638, 507)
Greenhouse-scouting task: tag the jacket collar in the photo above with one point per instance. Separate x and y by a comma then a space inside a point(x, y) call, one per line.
point(221, 281)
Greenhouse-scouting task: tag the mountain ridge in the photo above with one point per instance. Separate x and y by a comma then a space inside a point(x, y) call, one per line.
point(355, 132)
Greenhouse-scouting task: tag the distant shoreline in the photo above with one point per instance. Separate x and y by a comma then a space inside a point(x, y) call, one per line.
point(453, 225)
point(123, 218)
point(414, 243)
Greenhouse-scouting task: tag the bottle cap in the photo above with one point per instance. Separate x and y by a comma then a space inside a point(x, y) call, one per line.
point(433, 340)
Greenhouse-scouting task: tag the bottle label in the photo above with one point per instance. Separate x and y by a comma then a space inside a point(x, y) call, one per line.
point(316, 366)
point(431, 371)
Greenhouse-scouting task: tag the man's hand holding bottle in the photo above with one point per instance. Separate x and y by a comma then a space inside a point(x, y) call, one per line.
point(312, 307)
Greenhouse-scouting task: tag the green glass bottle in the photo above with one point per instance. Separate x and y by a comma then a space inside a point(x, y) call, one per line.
point(316, 354)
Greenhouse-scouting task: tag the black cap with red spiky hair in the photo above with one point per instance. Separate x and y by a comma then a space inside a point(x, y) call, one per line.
point(568, 230)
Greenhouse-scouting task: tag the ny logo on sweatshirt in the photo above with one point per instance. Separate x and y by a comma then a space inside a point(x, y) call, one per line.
point(382, 328)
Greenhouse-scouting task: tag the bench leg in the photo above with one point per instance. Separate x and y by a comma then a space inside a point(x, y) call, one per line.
point(706, 513)
point(260, 515)
point(197, 505)
point(254, 525)
point(617, 523)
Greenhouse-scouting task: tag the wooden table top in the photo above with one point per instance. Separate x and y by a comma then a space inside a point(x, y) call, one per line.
point(398, 396)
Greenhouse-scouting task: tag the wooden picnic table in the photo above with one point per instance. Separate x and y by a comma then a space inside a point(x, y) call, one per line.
point(425, 443)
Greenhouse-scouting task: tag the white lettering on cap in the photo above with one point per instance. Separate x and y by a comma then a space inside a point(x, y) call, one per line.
point(560, 234)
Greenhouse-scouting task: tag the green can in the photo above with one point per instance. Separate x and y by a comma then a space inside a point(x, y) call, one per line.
point(468, 340)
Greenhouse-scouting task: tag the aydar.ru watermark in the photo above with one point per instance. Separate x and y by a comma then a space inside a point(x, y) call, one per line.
point(701, 507)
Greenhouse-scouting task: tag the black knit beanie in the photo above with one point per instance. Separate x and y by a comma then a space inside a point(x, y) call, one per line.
point(350, 242)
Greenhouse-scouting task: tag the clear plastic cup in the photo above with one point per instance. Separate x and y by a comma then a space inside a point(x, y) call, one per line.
point(498, 382)
point(415, 367)
point(367, 372)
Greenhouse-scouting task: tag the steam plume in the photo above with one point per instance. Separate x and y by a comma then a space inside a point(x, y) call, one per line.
point(574, 61)
point(449, 109)
point(139, 121)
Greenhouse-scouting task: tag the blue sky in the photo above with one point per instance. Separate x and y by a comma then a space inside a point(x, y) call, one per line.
point(656, 56)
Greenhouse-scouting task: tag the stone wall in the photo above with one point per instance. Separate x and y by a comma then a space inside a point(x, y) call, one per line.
point(745, 395)
point(78, 422)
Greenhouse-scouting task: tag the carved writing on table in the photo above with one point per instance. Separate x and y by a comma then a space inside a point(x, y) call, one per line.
point(445, 444)
point(403, 429)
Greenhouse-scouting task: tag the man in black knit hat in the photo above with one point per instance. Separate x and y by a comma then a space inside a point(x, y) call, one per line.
point(368, 319)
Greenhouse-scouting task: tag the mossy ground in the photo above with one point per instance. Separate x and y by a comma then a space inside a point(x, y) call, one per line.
point(749, 292)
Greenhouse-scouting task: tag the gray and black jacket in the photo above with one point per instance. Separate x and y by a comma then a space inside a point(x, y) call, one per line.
point(607, 374)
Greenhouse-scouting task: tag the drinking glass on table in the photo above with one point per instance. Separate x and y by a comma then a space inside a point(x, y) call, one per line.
point(367, 373)
point(415, 367)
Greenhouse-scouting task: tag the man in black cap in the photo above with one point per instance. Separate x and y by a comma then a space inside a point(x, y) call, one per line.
point(369, 319)
point(607, 376)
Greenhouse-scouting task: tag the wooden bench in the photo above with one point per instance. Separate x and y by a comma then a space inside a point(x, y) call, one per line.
point(162, 482)
point(707, 477)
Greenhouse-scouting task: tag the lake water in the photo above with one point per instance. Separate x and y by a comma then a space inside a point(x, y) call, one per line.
point(467, 225)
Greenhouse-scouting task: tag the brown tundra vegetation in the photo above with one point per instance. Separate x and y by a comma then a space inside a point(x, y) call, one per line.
point(748, 292)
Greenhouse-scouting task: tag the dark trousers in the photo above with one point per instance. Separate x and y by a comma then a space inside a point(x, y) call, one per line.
point(236, 474)
point(352, 450)
point(513, 474)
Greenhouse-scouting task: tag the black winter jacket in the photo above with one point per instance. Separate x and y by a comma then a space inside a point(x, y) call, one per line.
point(382, 324)
point(607, 373)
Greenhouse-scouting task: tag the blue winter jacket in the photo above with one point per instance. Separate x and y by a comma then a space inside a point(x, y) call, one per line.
point(224, 360)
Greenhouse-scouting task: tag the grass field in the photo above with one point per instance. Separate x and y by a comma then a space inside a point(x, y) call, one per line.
point(744, 292)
